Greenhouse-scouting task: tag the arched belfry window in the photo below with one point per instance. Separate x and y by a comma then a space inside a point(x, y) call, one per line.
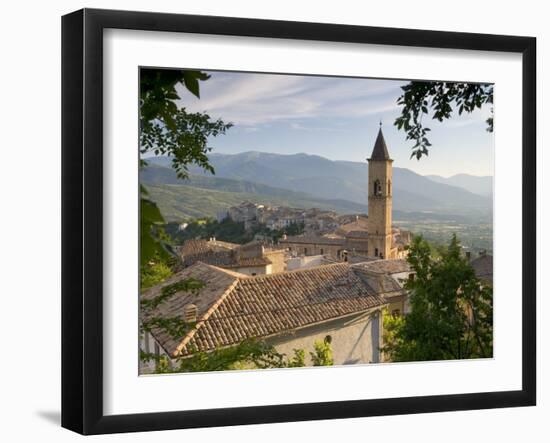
point(389, 187)
point(377, 188)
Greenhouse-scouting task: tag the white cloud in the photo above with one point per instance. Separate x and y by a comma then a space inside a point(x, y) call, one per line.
point(257, 99)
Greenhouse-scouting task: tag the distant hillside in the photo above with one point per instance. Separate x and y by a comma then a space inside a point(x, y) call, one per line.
point(177, 202)
point(324, 179)
point(481, 185)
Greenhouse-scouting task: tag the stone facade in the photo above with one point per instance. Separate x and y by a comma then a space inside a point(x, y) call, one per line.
point(380, 200)
point(370, 236)
point(308, 245)
point(251, 259)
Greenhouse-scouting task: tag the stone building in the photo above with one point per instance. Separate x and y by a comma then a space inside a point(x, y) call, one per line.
point(372, 236)
point(314, 245)
point(247, 213)
point(250, 259)
point(390, 275)
point(380, 201)
point(337, 302)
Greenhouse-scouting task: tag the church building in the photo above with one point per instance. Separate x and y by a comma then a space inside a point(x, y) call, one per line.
point(245, 296)
point(380, 240)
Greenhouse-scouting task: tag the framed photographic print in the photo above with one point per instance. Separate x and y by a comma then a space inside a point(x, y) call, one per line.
point(269, 221)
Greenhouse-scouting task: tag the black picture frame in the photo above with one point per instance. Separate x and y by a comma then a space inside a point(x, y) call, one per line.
point(82, 218)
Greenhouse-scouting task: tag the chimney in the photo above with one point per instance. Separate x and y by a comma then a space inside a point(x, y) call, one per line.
point(190, 312)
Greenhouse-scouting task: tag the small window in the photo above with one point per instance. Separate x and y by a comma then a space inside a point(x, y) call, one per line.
point(305, 251)
point(322, 251)
point(253, 274)
point(389, 187)
point(411, 277)
point(377, 188)
point(157, 349)
point(376, 252)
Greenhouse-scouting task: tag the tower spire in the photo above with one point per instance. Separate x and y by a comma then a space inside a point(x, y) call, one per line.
point(380, 200)
point(380, 150)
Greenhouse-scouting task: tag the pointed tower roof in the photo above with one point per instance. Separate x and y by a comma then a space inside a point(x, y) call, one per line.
point(380, 151)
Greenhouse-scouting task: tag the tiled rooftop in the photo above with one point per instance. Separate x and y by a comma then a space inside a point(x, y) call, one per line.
point(233, 307)
point(393, 266)
point(217, 253)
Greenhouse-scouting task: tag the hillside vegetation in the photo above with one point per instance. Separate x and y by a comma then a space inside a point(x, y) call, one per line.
point(321, 178)
point(180, 202)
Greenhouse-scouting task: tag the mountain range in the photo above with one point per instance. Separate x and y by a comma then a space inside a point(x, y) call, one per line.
point(314, 180)
point(477, 185)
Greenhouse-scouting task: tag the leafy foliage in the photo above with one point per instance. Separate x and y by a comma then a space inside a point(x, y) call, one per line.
point(169, 130)
point(291, 229)
point(174, 326)
point(186, 142)
point(298, 360)
point(227, 230)
point(158, 92)
point(188, 285)
point(451, 312)
point(249, 354)
point(438, 98)
point(323, 353)
point(153, 273)
point(151, 234)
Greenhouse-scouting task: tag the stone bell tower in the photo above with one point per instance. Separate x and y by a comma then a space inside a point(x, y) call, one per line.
point(380, 200)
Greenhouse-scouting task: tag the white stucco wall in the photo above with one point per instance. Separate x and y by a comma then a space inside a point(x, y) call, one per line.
point(254, 270)
point(355, 339)
point(305, 262)
point(148, 345)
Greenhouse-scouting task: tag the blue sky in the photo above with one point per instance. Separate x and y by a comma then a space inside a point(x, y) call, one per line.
point(334, 117)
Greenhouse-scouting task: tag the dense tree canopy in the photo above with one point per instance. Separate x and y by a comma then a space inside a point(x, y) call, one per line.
point(451, 312)
point(228, 230)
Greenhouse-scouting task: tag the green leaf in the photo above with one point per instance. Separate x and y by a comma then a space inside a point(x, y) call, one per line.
point(191, 81)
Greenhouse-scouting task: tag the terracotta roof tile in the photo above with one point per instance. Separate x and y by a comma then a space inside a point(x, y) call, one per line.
point(221, 254)
point(392, 266)
point(218, 283)
point(268, 305)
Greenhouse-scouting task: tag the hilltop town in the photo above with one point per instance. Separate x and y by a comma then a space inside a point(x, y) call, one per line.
point(329, 283)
